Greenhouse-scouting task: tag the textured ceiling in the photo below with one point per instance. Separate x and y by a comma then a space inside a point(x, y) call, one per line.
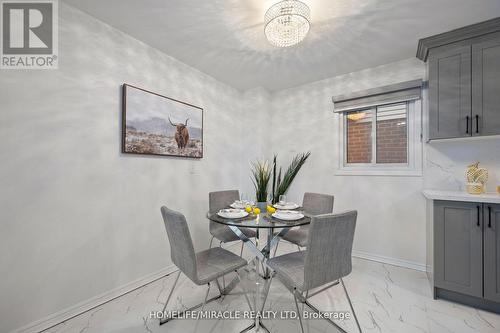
point(225, 39)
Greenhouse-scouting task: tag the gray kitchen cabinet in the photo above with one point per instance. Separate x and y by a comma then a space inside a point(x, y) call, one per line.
point(486, 87)
point(492, 252)
point(450, 93)
point(458, 247)
point(463, 81)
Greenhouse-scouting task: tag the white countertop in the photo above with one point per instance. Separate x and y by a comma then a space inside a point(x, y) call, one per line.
point(461, 196)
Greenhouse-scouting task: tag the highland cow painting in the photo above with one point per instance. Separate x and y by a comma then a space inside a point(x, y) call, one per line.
point(158, 125)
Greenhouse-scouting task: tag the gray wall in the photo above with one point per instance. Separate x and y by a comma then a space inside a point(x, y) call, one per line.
point(77, 217)
point(391, 219)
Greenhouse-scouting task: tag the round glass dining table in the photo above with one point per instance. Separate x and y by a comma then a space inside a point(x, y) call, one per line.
point(259, 222)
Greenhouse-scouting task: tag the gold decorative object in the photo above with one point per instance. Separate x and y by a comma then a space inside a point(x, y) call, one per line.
point(475, 188)
point(476, 179)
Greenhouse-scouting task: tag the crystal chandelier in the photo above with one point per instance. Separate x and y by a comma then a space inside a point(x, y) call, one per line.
point(287, 23)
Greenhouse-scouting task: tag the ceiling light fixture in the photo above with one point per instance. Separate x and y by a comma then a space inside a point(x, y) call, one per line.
point(287, 23)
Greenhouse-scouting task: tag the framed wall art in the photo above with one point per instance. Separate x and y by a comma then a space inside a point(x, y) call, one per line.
point(154, 124)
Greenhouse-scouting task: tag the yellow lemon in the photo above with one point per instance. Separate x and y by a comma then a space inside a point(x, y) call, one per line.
point(256, 211)
point(248, 209)
point(271, 209)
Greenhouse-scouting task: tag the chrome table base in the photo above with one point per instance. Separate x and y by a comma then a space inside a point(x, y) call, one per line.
point(261, 257)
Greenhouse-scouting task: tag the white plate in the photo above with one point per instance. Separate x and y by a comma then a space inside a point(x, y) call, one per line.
point(288, 215)
point(241, 204)
point(232, 213)
point(287, 205)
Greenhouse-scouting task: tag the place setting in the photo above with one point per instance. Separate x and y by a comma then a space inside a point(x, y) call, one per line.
point(282, 204)
point(242, 204)
point(288, 215)
point(232, 213)
point(286, 211)
point(283, 210)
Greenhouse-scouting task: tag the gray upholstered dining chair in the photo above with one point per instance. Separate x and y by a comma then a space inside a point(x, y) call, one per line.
point(312, 204)
point(202, 267)
point(217, 201)
point(326, 260)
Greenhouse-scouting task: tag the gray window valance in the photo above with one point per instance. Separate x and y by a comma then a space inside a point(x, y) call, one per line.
point(400, 92)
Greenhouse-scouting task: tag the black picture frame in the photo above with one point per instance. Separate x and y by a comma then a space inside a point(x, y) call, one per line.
point(146, 137)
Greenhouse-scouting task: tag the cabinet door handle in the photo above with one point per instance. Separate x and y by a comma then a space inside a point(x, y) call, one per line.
point(467, 125)
point(478, 215)
point(489, 216)
point(477, 123)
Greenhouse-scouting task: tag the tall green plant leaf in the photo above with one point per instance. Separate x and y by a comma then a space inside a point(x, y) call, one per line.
point(274, 177)
point(282, 185)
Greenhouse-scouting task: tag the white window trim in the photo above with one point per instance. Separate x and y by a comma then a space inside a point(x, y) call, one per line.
point(412, 169)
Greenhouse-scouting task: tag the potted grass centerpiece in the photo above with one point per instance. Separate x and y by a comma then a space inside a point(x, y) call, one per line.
point(261, 174)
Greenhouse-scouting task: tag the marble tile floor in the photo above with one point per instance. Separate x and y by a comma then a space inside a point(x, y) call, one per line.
point(386, 299)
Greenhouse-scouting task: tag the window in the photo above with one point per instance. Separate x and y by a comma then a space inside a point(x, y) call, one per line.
point(378, 135)
point(381, 140)
point(380, 130)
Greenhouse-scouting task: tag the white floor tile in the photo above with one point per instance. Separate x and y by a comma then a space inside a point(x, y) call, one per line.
point(386, 299)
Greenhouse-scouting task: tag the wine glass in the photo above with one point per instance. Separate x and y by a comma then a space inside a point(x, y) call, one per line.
point(282, 199)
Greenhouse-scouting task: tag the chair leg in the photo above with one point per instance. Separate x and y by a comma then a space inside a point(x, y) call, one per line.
point(219, 287)
point(276, 248)
point(299, 248)
point(223, 279)
point(241, 252)
point(268, 287)
point(171, 291)
point(211, 240)
point(350, 304)
point(166, 320)
point(243, 289)
point(328, 320)
point(303, 303)
point(298, 311)
point(206, 297)
point(202, 308)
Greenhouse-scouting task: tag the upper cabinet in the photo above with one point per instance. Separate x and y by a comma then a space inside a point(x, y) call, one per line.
point(486, 86)
point(450, 93)
point(463, 81)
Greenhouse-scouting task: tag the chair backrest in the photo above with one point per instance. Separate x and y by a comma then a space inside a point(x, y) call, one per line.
point(328, 256)
point(221, 199)
point(317, 204)
point(181, 244)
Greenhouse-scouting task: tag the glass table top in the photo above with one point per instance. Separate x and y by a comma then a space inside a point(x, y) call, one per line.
point(259, 221)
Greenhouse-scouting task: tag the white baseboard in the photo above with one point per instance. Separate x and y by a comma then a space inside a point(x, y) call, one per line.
point(388, 260)
point(93, 302)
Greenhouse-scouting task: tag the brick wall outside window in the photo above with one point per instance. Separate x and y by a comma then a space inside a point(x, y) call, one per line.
point(392, 141)
point(391, 135)
point(359, 141)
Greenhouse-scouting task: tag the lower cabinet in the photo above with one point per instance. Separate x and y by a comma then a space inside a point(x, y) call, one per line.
point(467, 252)
point(458, 247)
point(492, 252)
